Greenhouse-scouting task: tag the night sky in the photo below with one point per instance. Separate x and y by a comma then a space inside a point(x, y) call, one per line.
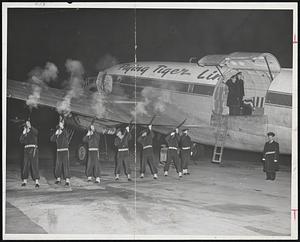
point(39, 35)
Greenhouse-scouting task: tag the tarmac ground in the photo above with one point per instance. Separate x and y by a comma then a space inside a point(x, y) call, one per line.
point(229, 200)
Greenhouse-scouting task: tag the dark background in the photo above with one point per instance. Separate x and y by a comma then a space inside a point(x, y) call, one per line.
point(36, 36)
point(39, 35)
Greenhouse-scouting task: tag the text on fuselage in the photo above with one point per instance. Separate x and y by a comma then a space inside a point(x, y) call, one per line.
point(163, 70)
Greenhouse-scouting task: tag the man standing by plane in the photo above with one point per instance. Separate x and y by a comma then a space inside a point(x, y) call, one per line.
point(270, 157)
point(93, 165)
point(147, 154)
point(236, 93)
point(31, 154)
point(61, 137)
point(173, 146)
point(185, 144)
point(121, 142)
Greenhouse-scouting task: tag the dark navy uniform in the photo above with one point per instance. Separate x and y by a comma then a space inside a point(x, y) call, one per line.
point(93, 164)
point(62, 154)
point(173, 146)
point(147, 153)
point(235, 96)
point(123, 153)
point(185, 144)
point(270, 159)
point(31, 154)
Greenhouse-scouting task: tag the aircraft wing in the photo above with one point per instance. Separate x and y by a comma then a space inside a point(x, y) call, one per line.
point(116, 110)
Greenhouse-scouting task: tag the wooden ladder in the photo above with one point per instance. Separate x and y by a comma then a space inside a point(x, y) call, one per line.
point(220, 138)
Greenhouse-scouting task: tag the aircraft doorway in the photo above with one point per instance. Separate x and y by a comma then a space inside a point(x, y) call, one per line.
point(251, 98)
point(250, 102)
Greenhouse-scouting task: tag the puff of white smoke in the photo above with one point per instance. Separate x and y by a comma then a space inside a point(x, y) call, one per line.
point(39, 79)
point(105, 62)
point(76, 70)
point(74, 67)
point(153, 101)
point(162, 100)
point(33, 99)
point(64, 106)
point(140, 108)
point(98, 104)
point(42, 76)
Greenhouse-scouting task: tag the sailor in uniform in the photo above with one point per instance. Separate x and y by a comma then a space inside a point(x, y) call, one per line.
point(270, 157)
point(29, 138)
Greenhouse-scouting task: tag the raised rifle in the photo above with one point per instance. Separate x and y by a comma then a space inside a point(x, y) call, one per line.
point(23, 125)
point(154, 116)
point(181, 124)
point(92, 122)
point(130, 124)
point(178, 126)
point(150, 123)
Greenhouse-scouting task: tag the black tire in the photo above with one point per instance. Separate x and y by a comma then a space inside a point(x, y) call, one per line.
point(82, 153)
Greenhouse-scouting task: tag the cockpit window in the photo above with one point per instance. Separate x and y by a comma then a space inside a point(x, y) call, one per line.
point(107, 84)
point(104, 82)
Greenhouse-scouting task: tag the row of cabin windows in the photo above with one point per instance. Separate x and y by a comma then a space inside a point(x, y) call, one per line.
point(128, 83)
point(169, 85)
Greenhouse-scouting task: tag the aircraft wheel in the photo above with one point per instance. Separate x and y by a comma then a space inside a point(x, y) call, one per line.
point(82, 153)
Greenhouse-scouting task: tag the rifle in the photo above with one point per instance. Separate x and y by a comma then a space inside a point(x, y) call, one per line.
point(28, 119)
point(61, 118)
point(154, 116)
point(178, 126)
point(23, 124)
point(92, 122)
point(181, 124)
point(150, 123)
point(130, 123)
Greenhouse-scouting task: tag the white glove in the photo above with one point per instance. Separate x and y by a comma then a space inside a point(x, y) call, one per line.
point(177, 130)
point(127, 128)
point(191, 153)
point(24, 131)
point(275, 160)
point(150, 126)
point(88, 133)
point(57, 132)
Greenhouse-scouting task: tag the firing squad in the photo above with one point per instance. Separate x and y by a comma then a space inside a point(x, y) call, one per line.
point(178, 155)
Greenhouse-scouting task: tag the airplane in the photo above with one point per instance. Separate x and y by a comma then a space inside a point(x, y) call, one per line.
point(194, 90)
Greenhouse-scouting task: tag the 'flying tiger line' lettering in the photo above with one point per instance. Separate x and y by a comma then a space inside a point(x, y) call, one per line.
point(135, 68)
point(164, 70)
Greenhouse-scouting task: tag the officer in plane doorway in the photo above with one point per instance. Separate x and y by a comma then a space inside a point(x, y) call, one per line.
point(270, 157)
point(236, 93)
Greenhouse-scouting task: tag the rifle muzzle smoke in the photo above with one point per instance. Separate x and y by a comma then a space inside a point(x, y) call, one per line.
point(76, 70)
point(39, 79)
point(153, 101)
